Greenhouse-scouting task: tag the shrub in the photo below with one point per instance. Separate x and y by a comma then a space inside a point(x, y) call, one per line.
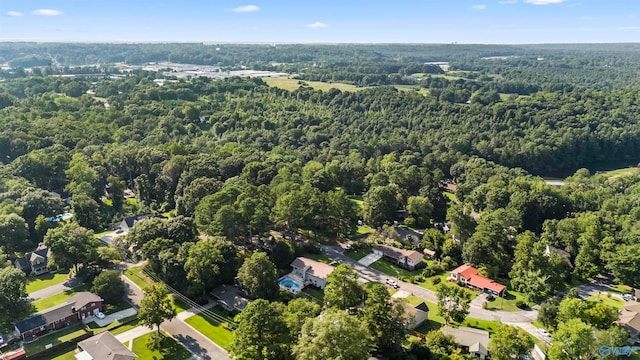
point(436, 280)
point(521, 304)
point(417, 279)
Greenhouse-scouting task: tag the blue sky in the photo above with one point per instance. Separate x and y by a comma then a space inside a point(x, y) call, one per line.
point(413, 21)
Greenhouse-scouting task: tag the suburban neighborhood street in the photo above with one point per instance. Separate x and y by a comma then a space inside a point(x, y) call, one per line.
point(198, 344)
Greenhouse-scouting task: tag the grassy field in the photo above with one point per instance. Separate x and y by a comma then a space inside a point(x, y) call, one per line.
point(35, 283)
point(65, 354)
point(214, 330)
point(315, 294)
point(415, 88)
point(486, 325)
point(612, 174)
point(624, 289)
point(171, 349)
point(614, 302)
point(293, 84)
point(429, 285)
point(58, 337)
point(58, 299)
point(451, 196)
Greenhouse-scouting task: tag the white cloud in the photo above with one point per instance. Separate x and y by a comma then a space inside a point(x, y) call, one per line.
point(508, 2)
point(479, 7)
point(46, 12)
point(629, 28)
point(317, 25)
point(14, 13)
point(544, 2)
point(246, 9)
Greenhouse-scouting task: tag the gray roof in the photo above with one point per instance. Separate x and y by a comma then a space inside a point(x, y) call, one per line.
point(476, 340)
point(59, 312)
point(105, 346)
point(422, 306)
point(230, 297)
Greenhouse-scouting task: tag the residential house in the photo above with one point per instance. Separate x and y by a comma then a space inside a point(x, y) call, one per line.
point(565, 256)
point(629, 319)
point(128, 223)
point(35, 262)
point(474, 341)
point(230, 298)
point(468, 275)
point(311, 272)
point(77, 308)
point(431, 254)
point(408, 259)
point(415, 314)
point(636, 294)
point(103, 346)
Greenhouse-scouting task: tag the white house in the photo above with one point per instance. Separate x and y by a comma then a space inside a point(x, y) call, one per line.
point(475, 341)
point(311, 272)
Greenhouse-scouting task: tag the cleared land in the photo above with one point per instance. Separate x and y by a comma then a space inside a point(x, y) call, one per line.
point(293, 84)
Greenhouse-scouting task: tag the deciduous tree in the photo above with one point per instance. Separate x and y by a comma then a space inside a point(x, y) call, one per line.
point(261, 333)
point(156, 306)
point(259, 277)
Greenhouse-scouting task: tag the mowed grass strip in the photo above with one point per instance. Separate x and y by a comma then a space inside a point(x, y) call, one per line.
point(140, 278)
point(57, 337)
point(170, 349)
point(35, 283)
point(57, 299)
point(212, 329)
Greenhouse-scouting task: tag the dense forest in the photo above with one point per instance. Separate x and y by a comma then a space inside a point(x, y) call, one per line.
point(229, 160)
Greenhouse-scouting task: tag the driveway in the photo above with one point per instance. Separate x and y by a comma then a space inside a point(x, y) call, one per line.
point(54, 289)
point(115, 316)
point(369, 259)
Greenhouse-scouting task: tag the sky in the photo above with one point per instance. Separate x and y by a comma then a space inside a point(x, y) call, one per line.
point(323, 21)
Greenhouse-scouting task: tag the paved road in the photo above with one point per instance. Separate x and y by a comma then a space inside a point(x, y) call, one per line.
point(198, 344)
point(54, 289)
point(475, 310)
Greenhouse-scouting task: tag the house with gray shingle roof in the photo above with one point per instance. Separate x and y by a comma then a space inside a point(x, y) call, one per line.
point(103, 346)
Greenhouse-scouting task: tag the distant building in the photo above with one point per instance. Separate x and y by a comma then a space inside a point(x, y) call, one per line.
point(566, 257)
point(468, 275)
point(474, 341)
point(103, 346)
point(77, 308)
point(35, 262)
point(408, 259)
point(128, 223)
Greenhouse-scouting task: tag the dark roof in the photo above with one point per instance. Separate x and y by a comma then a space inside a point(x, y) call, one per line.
point(58, 312)
point(231, 297)
point(22, 263)
point(422, 306)
point(31, 323)
point(105, 346)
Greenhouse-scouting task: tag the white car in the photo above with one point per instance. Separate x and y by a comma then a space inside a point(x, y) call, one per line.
point(100, 315)
point(543, 332)
point(627, 297)
point(392, 283)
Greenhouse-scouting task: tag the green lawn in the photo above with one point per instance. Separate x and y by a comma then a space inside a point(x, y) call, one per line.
point(214, 330)
point(58, 337)
point(315, 294)
point(486, 325)
point(171, 349)
point(508, 303)
point(429, 285)
point(612, 301)
point(620, 172)
point(116, 327)
point(358, 254)
point(624, 289)
point(57, 299)
point(65, 354)
point(451, 196)
point(394, 271)
point(137, 275)
point(435, 321)
point(318, 257)
point(35, 283)
point(362, 230)
point(358, 201)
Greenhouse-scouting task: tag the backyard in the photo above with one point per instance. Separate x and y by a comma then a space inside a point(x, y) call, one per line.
point(170, 349)
point(507, 303)
point(614, 302)
point(67, 334)
point(394, 271)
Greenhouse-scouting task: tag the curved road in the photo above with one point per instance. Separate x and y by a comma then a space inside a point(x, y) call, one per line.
point(475, 310)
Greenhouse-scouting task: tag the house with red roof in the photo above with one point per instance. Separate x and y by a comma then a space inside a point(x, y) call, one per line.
point(468, 275)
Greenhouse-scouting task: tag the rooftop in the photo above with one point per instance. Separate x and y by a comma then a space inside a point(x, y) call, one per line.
point(476, 340)
point(231, 297)
point(105, 346)
point(395, 252)
point(316, 268)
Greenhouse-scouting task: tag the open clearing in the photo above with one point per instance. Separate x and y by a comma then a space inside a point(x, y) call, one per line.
point(293, 84)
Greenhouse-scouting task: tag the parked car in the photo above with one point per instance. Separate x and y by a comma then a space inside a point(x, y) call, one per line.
point(347, 247)
point(490, 297)
point(393, 283)
point(627, 297)
point(100, 315)
point(543, 332)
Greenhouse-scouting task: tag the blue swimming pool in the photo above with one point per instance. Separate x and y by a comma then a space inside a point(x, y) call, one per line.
point(61, 217)
point(289, 284)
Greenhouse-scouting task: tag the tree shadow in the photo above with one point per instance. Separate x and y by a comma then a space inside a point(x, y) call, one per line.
point(193, 345)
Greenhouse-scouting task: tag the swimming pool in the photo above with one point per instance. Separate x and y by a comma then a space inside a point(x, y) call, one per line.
point(61, 217)
point(288, 283)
